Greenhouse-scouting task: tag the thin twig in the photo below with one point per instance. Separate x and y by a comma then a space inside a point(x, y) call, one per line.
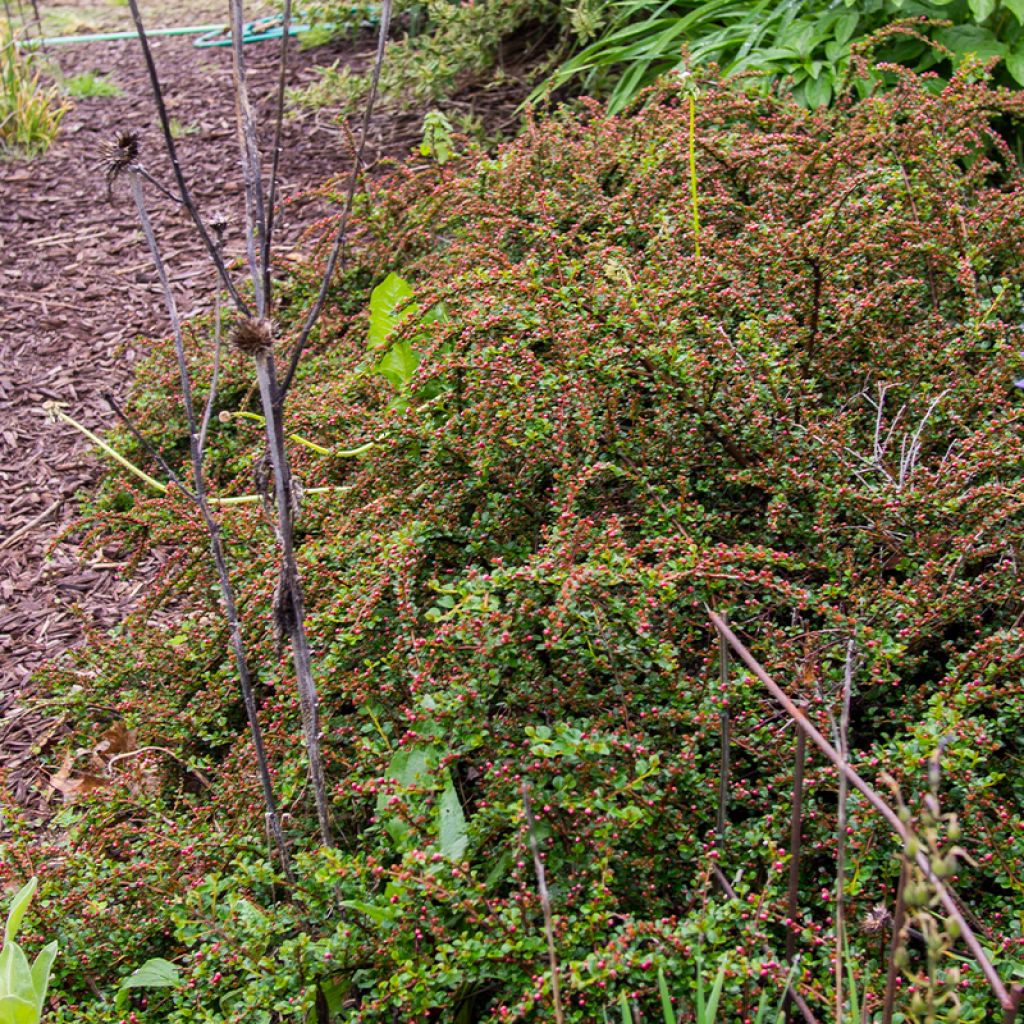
point(795, 829)
point(723, 771)
point(545, 905)
point(842, 745)
point(275, 156)
point(1006, 999)
point(148, 448)
point(290, 609)
point(213, 531)
point(211, 396)
point(172, 152)
point(248, 149)
point(342, 233)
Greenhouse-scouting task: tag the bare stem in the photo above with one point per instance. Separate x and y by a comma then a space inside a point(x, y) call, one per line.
point(723, 772)
point(795, 829)
point(172, 152)
point(1007, 999)
point(291, 605)
point(213, 531)
point(248, 148)
point(545, 905)
point(275, 156)
point(342, 234)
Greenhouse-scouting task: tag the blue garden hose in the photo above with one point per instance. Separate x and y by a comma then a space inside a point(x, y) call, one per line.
point(209, 35)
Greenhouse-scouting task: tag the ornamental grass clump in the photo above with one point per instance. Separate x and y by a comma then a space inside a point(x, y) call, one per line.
point(594, 437)
point(30, 112)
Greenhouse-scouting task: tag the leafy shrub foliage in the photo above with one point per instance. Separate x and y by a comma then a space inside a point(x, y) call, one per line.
point(811, 428)
point(805, 48)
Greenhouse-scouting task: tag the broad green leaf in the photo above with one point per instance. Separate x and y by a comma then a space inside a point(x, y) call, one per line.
point(981, 9)
point(1016, 8)
point(381, 915)
point(844, 26)
point(16, 975)
point(411, 766)
point(386, 299)
point(451, 822)
point(41, 972)
point(15, 1010)
point(18, 907)
point(965, 39)
point(1015, 65)
point(155, 973)
point(399, 364)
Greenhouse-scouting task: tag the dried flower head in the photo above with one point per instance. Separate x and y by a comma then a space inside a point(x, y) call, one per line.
point(877, 919)
point(219, 224)
point(252, 336)
point(120, 154)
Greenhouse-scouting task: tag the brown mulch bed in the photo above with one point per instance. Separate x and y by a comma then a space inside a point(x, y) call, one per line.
point(79, 296)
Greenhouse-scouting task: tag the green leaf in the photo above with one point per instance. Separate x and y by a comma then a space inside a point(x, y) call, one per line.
point(155, 973)
point(1016, 8)
point(965, 39)
point(41, 973)
point(667, 1012)
point(18, 907)
point(16, 979)
point(451, 823)
point(380, 915)
point(399, 365)
point(15, 1010)
point(1015, 65)
point(981, 9)
point(411, 766)
point(627, 1017)
point(716, 994)
point(393, 292)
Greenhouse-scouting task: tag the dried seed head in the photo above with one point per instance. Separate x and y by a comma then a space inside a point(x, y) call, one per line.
point(876, 919)
point(252, 336)
point(219, 224)
point(120, 154)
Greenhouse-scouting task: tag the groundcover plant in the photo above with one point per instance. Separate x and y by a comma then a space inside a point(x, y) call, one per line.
point(578, 431)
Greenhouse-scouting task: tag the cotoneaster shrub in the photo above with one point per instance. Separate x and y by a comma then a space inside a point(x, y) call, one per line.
point(811, 428)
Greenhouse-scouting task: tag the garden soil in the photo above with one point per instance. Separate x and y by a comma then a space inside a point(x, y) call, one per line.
point(78, 299)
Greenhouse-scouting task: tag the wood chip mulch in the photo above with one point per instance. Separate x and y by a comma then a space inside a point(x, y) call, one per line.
point(77, 290)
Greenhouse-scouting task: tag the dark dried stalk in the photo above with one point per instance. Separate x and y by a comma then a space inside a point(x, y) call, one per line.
point(248, 149)
point(342, 234)
point(842, 745)
point(723, 771)
point(213, 532)
point(898, 917)
point(1008, 999)
point(275, 157)
point(291, 613)
point(172, 153)
point(211, 396)
point(545, 906)
point(795, 829)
